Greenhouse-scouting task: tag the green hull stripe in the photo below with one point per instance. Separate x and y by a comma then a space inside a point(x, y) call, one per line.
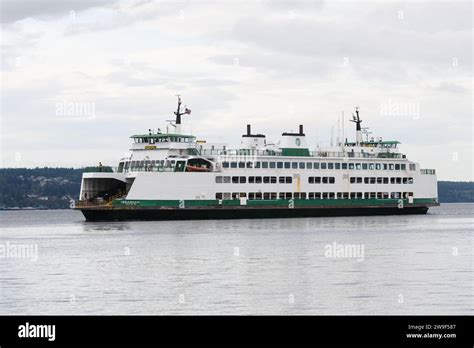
point(274, 202)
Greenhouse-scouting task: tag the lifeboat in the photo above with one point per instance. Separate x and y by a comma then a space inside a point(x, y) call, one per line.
point(197, 169)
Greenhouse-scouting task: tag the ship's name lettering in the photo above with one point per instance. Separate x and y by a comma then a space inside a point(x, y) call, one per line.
point(130, 202)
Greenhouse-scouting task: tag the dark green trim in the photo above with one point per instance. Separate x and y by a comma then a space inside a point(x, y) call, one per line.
point(295, 152)
point(275, 202)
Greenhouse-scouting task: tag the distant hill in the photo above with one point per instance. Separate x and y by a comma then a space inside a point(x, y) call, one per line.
point(52, 188)
point(40, 188)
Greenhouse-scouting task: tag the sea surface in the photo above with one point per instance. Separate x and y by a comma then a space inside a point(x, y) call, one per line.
point(420, 264)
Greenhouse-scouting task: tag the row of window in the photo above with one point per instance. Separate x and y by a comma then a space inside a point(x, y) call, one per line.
point(147, 164)
point(154, 140)
point(311, 180)
point(253, 179)
point(380, 180)
point(321, 180)
point(319, 165)
point(313, 195)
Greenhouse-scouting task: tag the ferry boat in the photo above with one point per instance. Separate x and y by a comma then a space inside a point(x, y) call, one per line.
point(173, 176)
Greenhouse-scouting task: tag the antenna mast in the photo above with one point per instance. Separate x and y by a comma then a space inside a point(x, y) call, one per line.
point(178, 114)
point(343, 125)
point(356, 119)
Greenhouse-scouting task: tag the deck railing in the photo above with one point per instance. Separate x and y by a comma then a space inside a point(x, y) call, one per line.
point(100, 200)
point(324, 154)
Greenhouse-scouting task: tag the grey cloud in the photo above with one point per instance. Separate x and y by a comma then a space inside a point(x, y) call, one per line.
point(14, 10)
point(125, 78)
point(134, 12)
point(353, 37)
point(278, 64)
point(430, 16)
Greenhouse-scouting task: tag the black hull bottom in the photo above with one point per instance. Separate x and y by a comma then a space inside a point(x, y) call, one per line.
point(236, 213)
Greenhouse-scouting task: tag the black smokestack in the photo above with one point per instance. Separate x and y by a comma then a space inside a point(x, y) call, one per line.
point(248, 130)
point(301, 129)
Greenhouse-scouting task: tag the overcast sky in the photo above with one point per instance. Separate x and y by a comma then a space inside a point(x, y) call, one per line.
point(79, 77)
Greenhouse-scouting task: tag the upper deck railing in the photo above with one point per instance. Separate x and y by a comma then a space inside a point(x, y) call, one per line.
point(271, 153)
point(428, 171)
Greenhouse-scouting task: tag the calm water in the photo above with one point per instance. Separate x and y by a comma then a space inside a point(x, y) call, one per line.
point(409, 265)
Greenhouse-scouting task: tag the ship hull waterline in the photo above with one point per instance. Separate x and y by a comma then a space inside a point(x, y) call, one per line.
point(241, 212)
